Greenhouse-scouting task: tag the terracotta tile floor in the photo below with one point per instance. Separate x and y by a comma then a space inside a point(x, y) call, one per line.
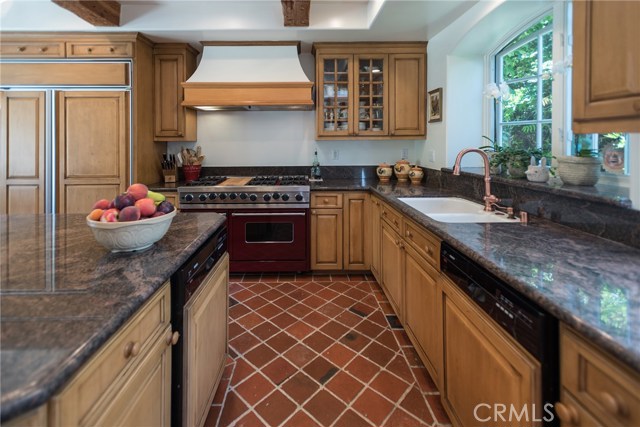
point(318, 350)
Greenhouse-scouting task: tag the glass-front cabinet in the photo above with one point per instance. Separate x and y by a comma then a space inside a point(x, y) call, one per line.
point(355, 94)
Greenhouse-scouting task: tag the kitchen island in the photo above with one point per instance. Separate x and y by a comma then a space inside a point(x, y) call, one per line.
point(63, 295)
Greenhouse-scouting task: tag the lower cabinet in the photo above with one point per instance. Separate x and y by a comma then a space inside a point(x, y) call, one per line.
point(340, 231)
point(483, 367)
point(392, 267)
point(375, 238)
point(596, 390)
point(205, 337)
point(128, 382)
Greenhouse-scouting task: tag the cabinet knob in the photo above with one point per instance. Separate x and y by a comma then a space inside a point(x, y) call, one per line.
point(567, 414)
point(612, 404)
point(131, 349)
point(89, 49)
point(44, 49)
point(112, 49)
point(313, 212)
point(429, 250)
point(636, 105)
point(395, 221)
point(325, 201)
point(401, 245)
point(408, 234)
point(22, 49)
point(172, 338)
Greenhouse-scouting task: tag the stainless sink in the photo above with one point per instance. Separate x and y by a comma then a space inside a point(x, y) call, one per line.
point(455, 209)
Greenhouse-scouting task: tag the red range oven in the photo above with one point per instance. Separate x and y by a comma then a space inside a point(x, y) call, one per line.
point(267, 219)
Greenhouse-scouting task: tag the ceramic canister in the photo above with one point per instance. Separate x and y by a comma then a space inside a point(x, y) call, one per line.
point(401, 169)
point(416, 175)
point(384, 172)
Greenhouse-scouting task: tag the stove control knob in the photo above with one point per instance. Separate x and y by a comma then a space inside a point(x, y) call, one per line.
point(276, 196)
point(285, 197)
point(243, 196)
point(299, 197)
point(188, 197)
point(202, 197)
point(253, 197)
point(222, 196)
point(266, 197)
point(212, 196)
point(233, 196)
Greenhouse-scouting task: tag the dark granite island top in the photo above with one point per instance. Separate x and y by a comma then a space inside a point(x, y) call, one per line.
point(63, 295)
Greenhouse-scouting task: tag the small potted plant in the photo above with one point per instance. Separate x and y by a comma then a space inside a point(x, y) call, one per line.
point(584, 167)
point(516, 158)
point(491, 150)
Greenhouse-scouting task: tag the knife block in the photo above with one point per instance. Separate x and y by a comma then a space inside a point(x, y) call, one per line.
point(169, 174)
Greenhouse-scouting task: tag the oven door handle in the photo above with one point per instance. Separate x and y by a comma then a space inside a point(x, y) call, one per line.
point(269, 214)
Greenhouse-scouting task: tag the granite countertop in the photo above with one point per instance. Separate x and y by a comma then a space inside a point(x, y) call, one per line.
point(587, 282)
point(63, 295)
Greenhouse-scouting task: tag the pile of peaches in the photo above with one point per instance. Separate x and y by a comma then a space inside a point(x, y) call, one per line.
point(137, 203)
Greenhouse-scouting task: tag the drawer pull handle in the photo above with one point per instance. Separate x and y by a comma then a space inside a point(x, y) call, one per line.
point(131, 349)
point(44, 49)
point(172, 338)
point(395, 221)
point(429, 250)
point(89, 49)
point(613, 405)
point(567, 414)
point(112, 49)
point(325, 200)
point(22, 49)
point(409, 234)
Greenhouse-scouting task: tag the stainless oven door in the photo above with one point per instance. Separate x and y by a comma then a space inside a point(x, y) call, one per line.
point(269, 236)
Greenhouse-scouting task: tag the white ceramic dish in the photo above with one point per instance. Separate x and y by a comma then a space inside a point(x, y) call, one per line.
point(131, 235)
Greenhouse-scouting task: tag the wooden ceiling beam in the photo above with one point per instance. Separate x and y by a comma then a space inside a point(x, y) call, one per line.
point(296, 12)
point(101, 13)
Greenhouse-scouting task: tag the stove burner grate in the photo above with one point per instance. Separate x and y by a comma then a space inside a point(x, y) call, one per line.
point(208, 180)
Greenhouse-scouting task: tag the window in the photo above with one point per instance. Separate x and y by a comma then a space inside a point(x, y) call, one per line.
point(523, 115)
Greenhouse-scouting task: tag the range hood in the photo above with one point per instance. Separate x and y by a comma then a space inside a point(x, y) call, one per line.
point(249, 76)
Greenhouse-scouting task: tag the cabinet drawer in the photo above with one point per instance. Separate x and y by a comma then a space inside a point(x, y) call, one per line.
point(32, 49)
point(116, 359)
point(110, 50)
point(392, 217)
point(426, 244)
point(610, 390)
point(572, 414)
point(326, 200)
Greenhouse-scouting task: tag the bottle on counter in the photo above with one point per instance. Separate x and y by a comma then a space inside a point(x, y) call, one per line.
point(315, 168)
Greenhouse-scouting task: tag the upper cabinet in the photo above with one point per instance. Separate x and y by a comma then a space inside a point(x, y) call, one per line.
point(370, 90)
point(173, 63)
point(606, 66)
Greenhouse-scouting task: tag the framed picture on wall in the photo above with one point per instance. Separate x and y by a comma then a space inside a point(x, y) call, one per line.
point(435, 105)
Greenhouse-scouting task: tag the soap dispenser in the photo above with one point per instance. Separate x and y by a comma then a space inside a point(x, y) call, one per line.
point(316, 175)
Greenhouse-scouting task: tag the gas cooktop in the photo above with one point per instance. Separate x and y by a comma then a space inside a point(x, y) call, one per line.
point(215, 192)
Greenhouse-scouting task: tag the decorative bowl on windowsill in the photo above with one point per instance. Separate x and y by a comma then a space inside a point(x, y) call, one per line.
point(575, 170)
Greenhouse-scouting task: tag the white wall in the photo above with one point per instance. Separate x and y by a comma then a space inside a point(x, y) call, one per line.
point(285, 138)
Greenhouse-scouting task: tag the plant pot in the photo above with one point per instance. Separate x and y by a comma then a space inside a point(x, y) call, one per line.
point(579, 170)
point(493, 170)
point(516, 170)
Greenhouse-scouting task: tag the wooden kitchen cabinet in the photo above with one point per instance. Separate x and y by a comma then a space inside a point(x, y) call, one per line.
point(596, 389)
point(392, 268)
point(326, 239)
point(22, 141)
point(173, 64)
point(357, 231)
point(205, 335)
point(606, 66)
point(483, 365)
point(370, 90)
point(128, 382)
point(376, 229)
point(92, 145)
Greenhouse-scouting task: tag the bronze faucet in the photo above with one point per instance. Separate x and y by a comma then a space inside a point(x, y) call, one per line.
point(489, 199)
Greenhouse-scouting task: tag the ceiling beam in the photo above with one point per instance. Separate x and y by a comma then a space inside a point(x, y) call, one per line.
point(296, 12)
point(102, 13)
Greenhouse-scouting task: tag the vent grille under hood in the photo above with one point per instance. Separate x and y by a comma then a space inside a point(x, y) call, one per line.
point(249, 76)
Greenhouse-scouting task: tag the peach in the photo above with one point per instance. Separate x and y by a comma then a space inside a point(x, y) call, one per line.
point(138, 191)
point(130, 213)
point(110, 215)
point(101, 204)
point(147, 206)
point(96, 214)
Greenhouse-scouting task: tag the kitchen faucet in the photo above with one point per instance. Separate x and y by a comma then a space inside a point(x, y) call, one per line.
point(489, 199)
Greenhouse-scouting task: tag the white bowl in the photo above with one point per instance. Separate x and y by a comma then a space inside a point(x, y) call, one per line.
point(131, 235)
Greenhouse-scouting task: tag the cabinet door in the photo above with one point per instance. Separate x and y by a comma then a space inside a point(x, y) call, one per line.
point(145, 399)
point(205, 341)
point(326, 239)
point(482, 366)
point(357, 232)
point(423, 317)
point(606, 66)
point(22, 166)
point(392, 261)
point(371, 106)
point(375, 238)
point(173, 65)
point(407, 95)
point(92, 139)
point(335, 91)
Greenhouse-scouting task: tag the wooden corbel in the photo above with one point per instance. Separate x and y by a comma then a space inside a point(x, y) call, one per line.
point(296, 12)
point(103, 13)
